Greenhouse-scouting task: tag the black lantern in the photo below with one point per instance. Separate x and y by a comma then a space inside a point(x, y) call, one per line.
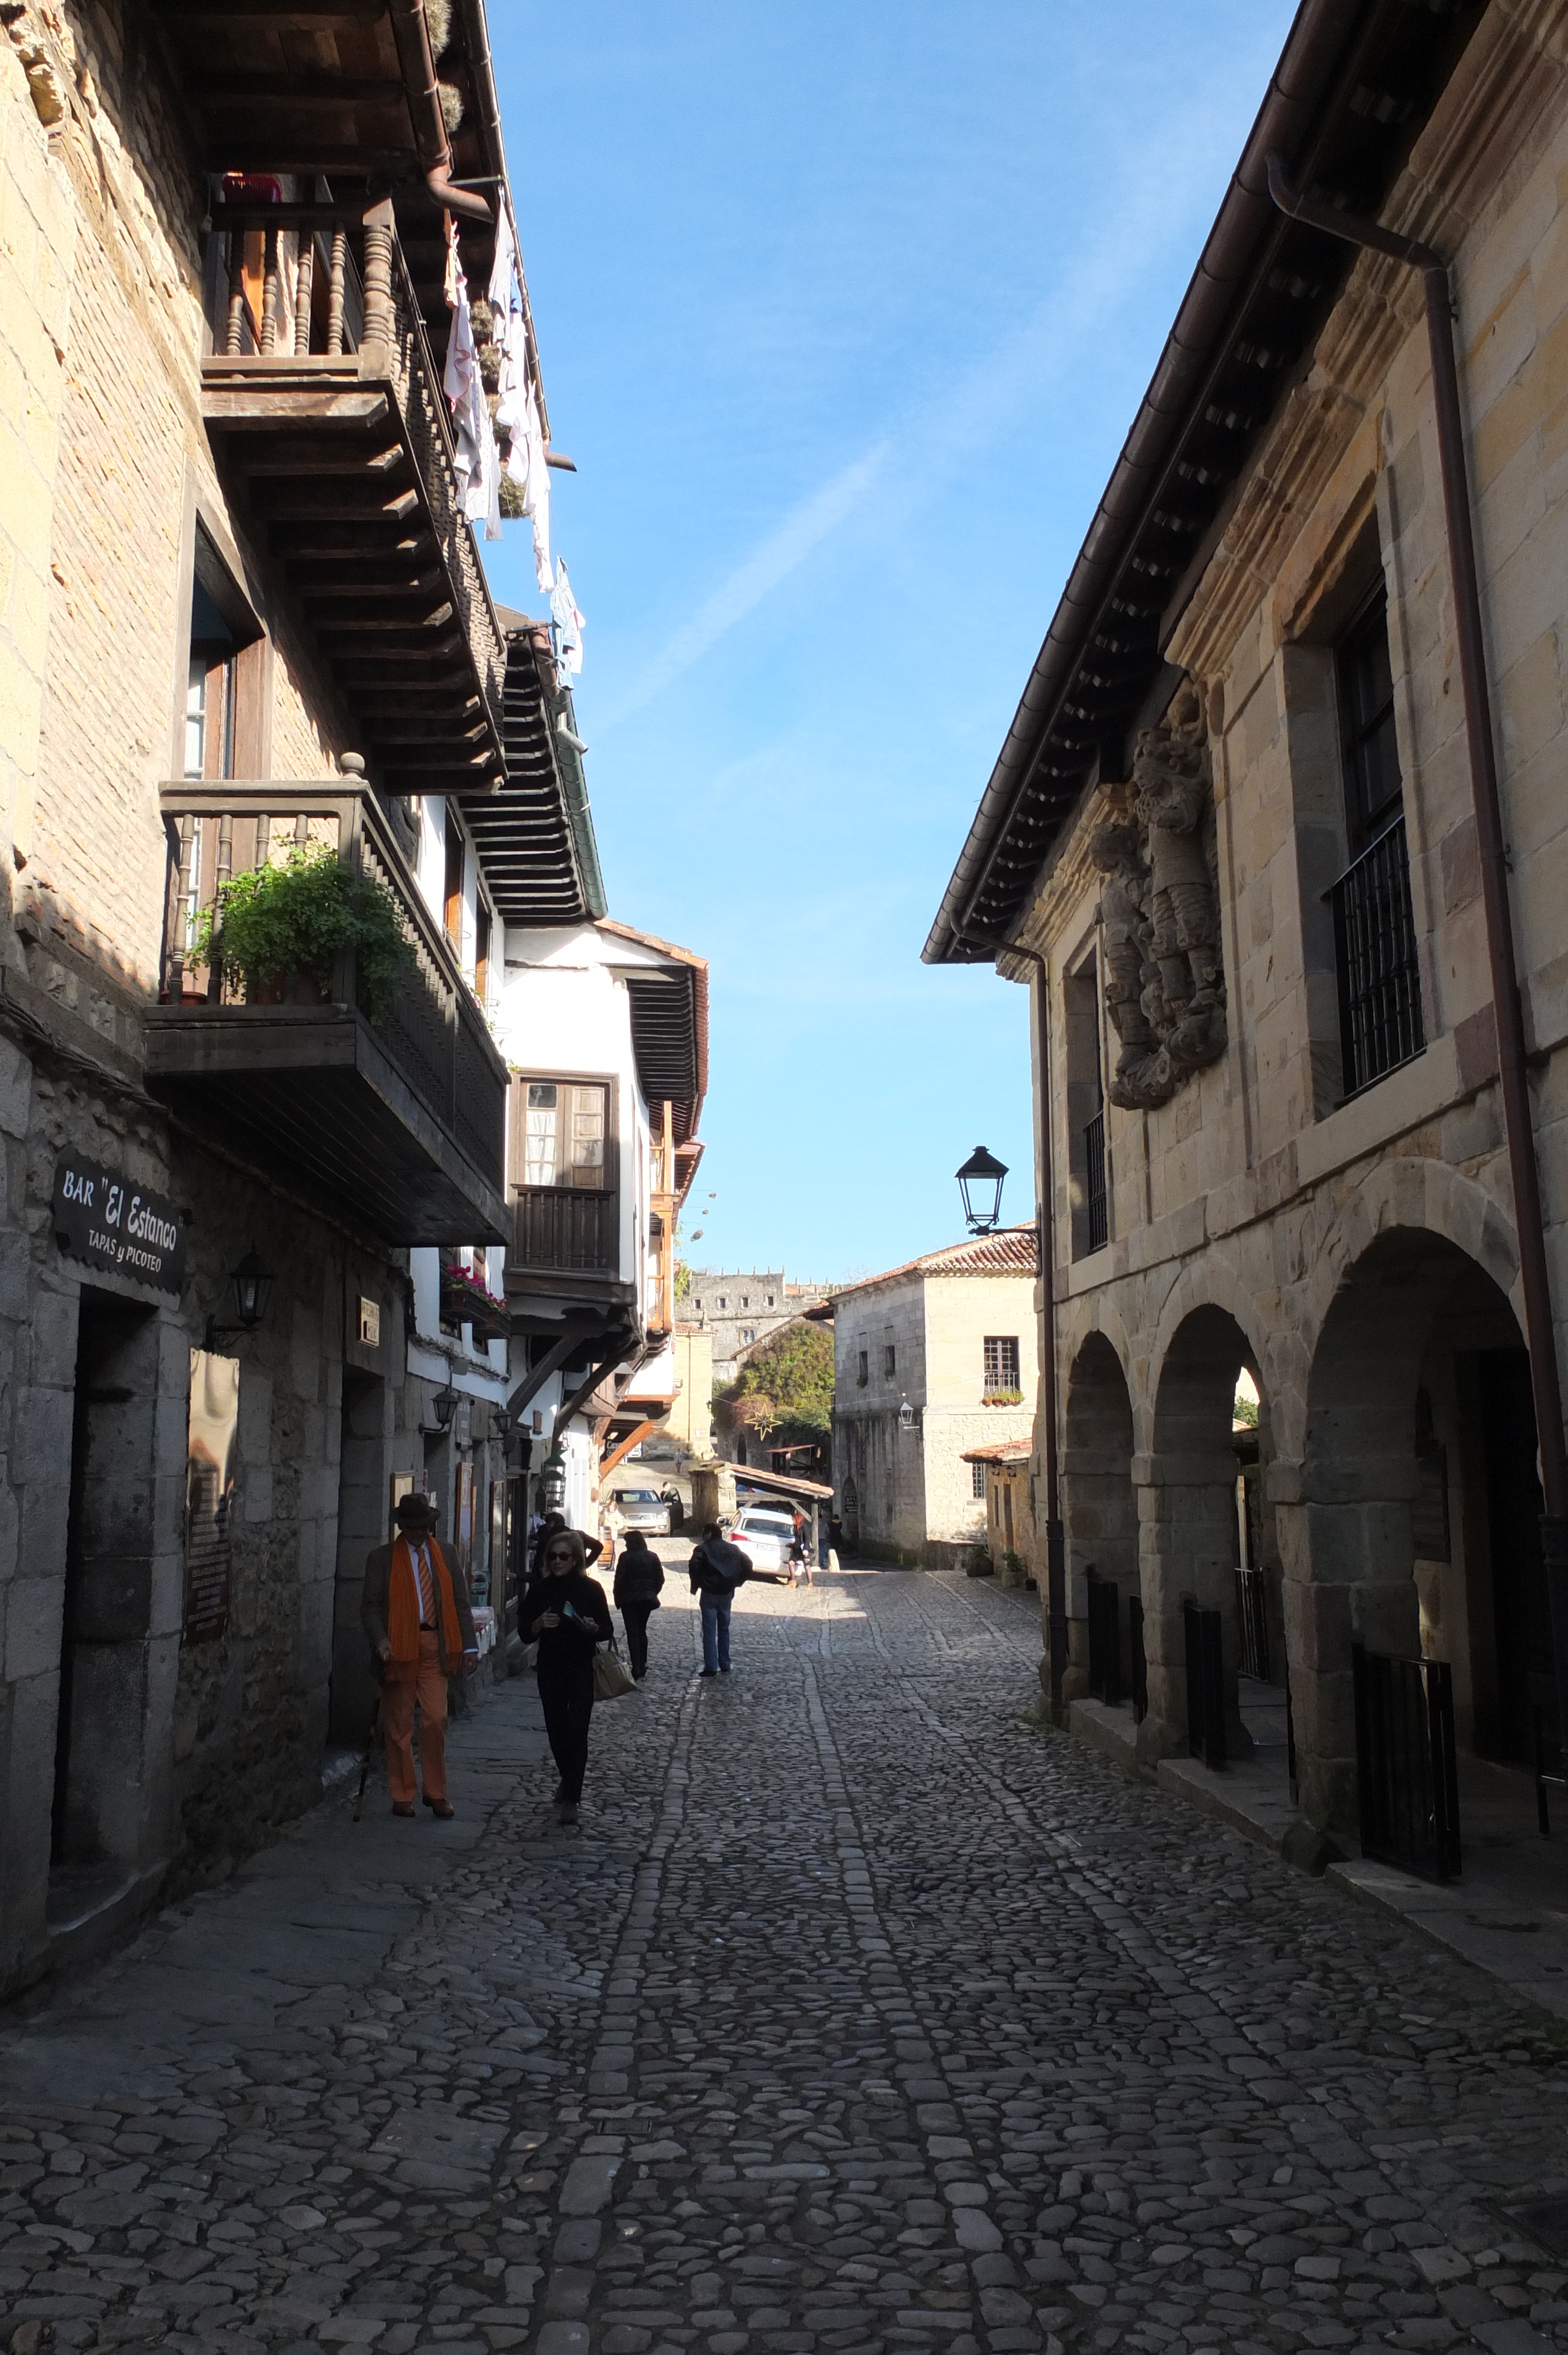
point(501, 1421)
point(445, 1406)
point(252, 1282)
point(554, 1478)
point(980, 1183)
point(252, 1289)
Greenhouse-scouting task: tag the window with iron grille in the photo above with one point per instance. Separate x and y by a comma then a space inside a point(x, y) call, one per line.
point(1002, 1362)
point(1096, 1209)
point(1374, 924)
point(978, 1471)
point(889, 1359)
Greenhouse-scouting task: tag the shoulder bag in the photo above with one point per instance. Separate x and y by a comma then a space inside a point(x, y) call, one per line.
point(610, 1678)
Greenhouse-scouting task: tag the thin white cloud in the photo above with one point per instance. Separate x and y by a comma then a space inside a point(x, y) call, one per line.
point(929, 439)
point(781, 552)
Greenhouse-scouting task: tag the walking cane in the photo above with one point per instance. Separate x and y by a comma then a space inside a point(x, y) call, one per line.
point(364, 1763)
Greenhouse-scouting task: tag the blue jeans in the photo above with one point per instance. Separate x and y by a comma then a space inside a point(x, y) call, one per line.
point(716, 1630)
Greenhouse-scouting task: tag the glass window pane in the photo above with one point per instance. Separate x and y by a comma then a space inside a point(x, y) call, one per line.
point(541, 1134)
point(587, 1159)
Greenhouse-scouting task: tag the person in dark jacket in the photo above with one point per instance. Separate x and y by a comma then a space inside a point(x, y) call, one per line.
point(639, 1575)
point(717, 1568)
point(567, 1614)
point(592, 1546)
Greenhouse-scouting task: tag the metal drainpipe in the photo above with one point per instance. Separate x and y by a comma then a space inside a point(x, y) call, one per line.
point(1056, 1536)
point(412, 36)
point(1507, 1007)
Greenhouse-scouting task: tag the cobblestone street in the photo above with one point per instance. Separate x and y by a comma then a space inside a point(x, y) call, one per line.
point(859, 2013)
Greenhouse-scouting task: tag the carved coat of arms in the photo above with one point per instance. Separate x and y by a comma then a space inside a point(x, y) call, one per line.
point(1160, 911)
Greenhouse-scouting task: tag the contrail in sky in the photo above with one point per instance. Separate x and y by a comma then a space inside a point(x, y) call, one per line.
point(961, 417)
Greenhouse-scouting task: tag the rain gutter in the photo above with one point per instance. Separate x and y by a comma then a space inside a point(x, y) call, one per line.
point(412, 34)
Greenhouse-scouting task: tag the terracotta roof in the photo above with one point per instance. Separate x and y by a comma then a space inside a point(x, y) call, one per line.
point(1012, 1250)
point(999, 1451)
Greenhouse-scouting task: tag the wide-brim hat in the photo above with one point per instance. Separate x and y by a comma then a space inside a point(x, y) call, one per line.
point(415, 1506)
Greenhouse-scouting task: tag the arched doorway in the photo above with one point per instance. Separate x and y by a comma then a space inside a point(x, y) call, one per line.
point(1417, 1534)
point(1208, 1518)
point(1099, 1508)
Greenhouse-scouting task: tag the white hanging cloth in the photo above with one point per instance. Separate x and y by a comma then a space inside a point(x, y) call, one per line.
point(570, 622)
point(517, 411)
point(478, 460)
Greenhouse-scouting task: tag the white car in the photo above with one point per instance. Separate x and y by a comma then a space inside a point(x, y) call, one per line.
point(765, 1538)
point(644, 1510)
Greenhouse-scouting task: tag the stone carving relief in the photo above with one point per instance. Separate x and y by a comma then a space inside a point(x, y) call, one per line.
point(1160, 911)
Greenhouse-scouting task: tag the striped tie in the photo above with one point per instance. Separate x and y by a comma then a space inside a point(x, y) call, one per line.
point(426, 1587)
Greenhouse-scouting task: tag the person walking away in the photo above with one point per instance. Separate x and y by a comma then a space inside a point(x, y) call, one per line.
point(639, 1575)
point(717, 1569)
point(567, 1614)
point(416, 1615)
point(800, 1550)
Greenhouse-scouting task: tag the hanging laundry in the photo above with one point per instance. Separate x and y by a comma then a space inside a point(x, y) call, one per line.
point(478, 462)
point(567, 621)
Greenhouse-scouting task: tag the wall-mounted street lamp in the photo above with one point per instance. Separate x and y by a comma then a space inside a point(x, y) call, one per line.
point(252, 1285)
point(980, 1183)
point(906, 1415)
point(554, 1474)
point(444, 1405)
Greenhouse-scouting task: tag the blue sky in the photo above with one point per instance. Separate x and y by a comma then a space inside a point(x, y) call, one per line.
point(843, 315)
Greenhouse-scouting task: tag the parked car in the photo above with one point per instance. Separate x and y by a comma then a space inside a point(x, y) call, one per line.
point(644, 1510)
point(766, 1537)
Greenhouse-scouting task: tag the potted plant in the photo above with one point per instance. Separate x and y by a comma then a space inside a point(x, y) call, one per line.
point(1001, 1398)
point(279, 930)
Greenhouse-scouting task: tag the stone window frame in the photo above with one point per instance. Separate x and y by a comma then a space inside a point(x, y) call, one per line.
point(1366, 540)
point(1086, 1052)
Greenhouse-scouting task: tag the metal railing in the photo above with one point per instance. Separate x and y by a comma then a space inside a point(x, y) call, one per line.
point(1406, 1762)
point(1097, 1210)
point(1138, 1659)
point(560, 1228)
point(434, 1034)
point(1204, 1643)
point(1105, 1639)
point(371, 320)
point(1375, 955)
point(1252, 1616)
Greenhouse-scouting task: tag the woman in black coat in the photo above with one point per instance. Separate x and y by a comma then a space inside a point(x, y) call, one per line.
point(567, 1614)
point(639, 1575)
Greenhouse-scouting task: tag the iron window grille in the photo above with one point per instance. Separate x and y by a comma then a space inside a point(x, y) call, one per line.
point(1374, 925)
point(1002, 1362)
point(977, 1474)
point(1098, 1208)
point(1375, 955)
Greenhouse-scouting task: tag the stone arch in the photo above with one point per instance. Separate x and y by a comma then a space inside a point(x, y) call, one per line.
point(1099, 1507)
point(1188, 1509)
point(1412, 1530)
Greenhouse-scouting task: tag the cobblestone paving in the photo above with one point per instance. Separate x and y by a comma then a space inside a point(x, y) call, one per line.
point(861, 2014)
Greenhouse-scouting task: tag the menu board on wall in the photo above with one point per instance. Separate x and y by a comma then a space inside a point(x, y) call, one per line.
point(209, 1493)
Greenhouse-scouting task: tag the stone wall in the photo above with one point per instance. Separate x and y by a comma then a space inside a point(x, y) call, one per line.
point(1359, 1257)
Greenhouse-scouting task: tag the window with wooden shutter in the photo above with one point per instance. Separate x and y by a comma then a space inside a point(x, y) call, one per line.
point(565, 1125)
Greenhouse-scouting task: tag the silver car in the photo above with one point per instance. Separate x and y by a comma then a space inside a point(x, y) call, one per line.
point(766, 1537)
point(644, 1510)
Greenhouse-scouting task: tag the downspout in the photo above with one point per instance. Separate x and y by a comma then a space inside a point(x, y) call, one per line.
point(412, 36)
point(1507, 1006)
point(1056, 1536)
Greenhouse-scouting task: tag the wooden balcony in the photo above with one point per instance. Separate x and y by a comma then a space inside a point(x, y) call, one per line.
point(397, 1126)
point(568, 1244)
point(326, 404)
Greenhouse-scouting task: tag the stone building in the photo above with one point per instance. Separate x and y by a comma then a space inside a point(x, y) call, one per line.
point(242, 614)
point(742, 1310)
point(1241, 833)
point(931, 1360)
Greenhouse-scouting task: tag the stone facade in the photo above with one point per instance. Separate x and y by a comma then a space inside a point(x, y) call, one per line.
point(134, 1755)
point(917, 1337)
point(741, 1310)
point(1354, 1249)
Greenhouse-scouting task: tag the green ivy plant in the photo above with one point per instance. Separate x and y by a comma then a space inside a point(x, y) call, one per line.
point(272, 923)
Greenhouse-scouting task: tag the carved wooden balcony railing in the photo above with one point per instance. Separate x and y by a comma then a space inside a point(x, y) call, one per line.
point(326, 400)
point(397, 1126)
point(561, 1231)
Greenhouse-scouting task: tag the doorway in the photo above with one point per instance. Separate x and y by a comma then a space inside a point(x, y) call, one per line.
point(363, 1521)
point(1521, 1612)
point(100, 1767)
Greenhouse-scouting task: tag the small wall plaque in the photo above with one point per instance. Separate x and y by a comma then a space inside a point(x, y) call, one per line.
point(370, 1321)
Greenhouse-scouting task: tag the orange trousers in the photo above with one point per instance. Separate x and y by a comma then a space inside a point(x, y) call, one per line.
point(406, 1681)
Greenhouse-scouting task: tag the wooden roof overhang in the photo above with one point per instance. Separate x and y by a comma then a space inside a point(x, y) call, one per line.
point(535, 836)
point(1356, 84)
point(347, 480)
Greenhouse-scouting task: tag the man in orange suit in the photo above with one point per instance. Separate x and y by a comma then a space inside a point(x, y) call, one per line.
point(416, 1614)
